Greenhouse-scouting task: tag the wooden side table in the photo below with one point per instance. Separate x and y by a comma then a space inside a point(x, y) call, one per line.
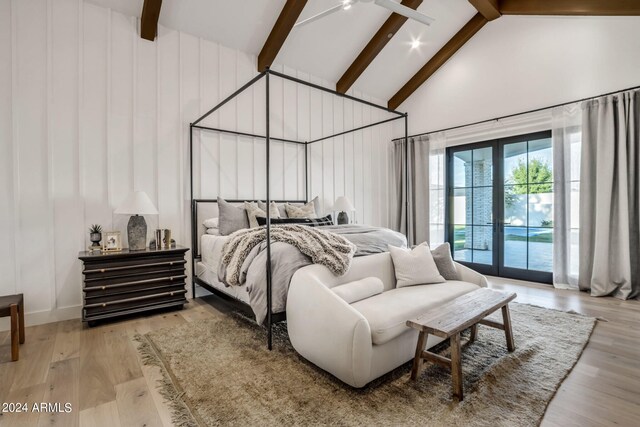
point(13, 305)
point(450, 319)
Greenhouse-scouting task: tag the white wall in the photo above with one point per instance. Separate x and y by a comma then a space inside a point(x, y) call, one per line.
point(519, 63)
point(90, 112)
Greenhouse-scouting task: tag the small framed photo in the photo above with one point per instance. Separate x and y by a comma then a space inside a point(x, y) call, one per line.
point(111, 241)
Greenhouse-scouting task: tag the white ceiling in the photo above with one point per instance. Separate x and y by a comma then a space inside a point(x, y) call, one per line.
point(324, 48)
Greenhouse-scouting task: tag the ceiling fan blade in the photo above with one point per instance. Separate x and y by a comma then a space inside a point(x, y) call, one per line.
point(405, 11)
point(319, 15)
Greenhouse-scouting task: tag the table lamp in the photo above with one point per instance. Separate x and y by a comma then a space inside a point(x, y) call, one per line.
point(343, 205)
point(136, 205)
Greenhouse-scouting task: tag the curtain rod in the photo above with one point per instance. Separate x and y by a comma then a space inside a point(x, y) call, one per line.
point(517, 114)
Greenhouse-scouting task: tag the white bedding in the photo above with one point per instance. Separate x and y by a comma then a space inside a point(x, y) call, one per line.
point(211, 249)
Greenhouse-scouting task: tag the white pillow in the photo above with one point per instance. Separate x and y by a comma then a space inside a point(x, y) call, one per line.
point(414, 266)
point(211, 223)
point(359, 289)
point(213, 231)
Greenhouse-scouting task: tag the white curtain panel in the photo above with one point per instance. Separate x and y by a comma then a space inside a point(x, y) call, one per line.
point(610, 196)
point(436, 146)
point(566, 139)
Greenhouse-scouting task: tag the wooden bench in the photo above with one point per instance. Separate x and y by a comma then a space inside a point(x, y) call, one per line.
point(13, 305)
point(450, 319)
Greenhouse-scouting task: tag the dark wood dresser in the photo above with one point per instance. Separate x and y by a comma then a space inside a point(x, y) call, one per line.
point(128, 282)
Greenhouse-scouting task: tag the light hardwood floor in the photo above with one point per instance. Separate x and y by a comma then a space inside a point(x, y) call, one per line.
point(99, 372)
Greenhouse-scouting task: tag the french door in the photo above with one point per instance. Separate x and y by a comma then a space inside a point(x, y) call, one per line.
point(499, 208)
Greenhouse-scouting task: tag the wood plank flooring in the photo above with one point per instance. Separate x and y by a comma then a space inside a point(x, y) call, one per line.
point(100, 373)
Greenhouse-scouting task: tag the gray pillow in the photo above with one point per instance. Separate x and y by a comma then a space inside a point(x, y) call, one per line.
point(231, 218)
point(442, 256)
point(305, 211)
point(281, 208)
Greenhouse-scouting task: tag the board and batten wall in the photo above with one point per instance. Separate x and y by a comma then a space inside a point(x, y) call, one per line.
point(90, 112)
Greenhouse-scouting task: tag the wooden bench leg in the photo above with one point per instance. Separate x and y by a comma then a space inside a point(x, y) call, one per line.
point(417, 360)
point(14, 332)
point(474, 333)
point(456, 366)
point(506, 320)
point(21, 321)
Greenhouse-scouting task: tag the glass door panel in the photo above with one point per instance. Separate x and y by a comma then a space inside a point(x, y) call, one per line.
point(526, 229)
point(471, 209)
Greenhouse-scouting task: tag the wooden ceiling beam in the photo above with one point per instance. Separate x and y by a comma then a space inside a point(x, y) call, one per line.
point(571, 7)
point(448, 50)
point(149, 19)
point(285, 22)
point(374, 47)
point(488, 8)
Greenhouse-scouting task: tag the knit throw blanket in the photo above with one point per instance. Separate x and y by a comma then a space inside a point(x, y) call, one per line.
point(324, 248)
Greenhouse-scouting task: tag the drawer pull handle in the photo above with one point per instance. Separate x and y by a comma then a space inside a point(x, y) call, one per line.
point(104, 305)
point(104, 287)
point(102, 270)
point(171, 294)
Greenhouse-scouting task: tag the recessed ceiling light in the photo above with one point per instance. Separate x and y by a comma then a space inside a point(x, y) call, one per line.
point(346, 4)
point(415, 44)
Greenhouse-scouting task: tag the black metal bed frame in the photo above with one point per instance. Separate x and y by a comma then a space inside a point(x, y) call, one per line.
point(275, 317)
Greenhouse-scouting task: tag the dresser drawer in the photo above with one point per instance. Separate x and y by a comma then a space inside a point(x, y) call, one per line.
point(100, 280)
point(101, 298)
point(144, 301)
point(122, 285)
point(101, 271)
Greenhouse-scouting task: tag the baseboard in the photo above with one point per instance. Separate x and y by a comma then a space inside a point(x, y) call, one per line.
point(47, 316)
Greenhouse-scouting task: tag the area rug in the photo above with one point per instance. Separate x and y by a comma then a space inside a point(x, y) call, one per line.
point(219, 372)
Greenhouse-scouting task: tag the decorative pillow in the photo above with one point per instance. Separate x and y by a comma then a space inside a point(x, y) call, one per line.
point(253, 212)
point(305, 211)
point(414, 266)
point(211, 223)
point(213, 231)
point(442, 257)
point(359, 289)
point(281, 207)
point(231, 218)
point(311, 222)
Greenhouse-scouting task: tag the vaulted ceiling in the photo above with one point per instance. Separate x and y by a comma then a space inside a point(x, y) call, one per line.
point(326, 48)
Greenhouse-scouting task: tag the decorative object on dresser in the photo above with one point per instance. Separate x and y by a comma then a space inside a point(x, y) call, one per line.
point(129, 282)
point(163, 236)
point(95, 236)
point(112, 241)
point(13, 306)
point(450, 319)
point(343, 205)
point(136, 205)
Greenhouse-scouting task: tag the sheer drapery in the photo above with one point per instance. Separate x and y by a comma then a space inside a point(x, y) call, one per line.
point(566, 136)
point(610, 196)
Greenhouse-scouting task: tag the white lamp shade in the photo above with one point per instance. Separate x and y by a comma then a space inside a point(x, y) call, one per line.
point(137, 203)
point(343, 204)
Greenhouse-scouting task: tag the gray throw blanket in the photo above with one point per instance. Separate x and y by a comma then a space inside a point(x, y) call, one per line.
point(287, 258)
point(324, 248)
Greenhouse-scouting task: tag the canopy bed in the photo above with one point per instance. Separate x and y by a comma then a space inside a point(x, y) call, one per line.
point(203, 208)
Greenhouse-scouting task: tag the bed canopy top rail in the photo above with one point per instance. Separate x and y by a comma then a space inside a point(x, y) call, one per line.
point(268, 138)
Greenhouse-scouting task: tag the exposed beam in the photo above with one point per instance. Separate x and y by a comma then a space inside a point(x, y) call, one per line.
point(447, 51)
point(149, 19)
point(488, 8)
point(571, 7)
point(374, 47)
point(288, 17)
